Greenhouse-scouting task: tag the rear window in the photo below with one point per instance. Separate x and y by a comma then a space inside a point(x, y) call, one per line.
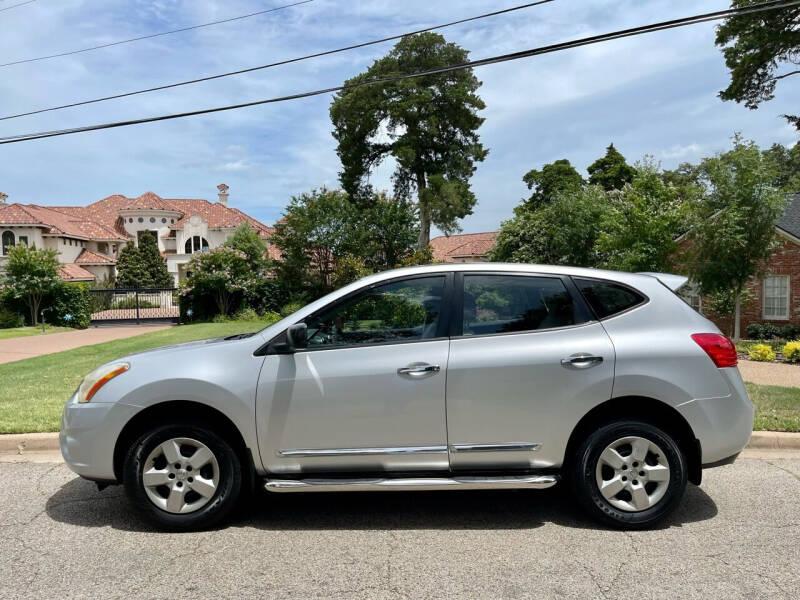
point(606, 298)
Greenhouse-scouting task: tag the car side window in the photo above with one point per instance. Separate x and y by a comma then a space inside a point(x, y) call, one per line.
point(607, 298)
point(509, 303)
point(399, 311)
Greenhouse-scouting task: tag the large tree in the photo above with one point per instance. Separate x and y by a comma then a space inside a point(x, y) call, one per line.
point(787, 165)
point(142, 266)
point(733, 233)
point(427, 124)
point(642, 221)
point(553, 179)
point(760, 49)
point(322, 228)
point(611, 171)
point(30, 275)
point(563, 232)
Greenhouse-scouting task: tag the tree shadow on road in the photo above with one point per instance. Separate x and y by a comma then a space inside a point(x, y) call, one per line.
point(79, 503)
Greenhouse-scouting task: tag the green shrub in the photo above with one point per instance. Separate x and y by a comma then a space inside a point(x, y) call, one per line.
point(267, 295)
point(791, 352)
point(790, 332)
point(763, 331)
point(271, 317)
point(762, 352)
point(220, 319)
point(130, 302)
point(291, 307)
point(10, 319)
point(70, 305)
point(245, 314)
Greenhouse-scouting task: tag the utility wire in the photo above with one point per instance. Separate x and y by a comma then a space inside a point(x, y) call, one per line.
point(152, 35)
point(279, 63)
point(664, 25)
point(16, 5)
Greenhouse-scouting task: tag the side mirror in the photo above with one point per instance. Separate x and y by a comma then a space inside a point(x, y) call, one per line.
point(296, 337)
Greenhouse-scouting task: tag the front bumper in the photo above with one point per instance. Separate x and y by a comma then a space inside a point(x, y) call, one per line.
point(88, 435)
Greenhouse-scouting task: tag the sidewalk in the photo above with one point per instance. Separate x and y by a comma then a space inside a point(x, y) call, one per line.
point(764, 373)
point(25, 347)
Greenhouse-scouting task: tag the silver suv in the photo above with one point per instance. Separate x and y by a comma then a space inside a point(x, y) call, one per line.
point(466, 376)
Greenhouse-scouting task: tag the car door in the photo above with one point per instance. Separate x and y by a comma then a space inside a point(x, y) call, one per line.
point(368, 392)
point(527, 361)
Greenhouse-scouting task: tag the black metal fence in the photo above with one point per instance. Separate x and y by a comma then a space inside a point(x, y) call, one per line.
point(135, 305)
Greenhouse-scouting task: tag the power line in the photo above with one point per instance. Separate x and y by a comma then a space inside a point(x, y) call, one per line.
point(279, 63)
point(664, 25)
point(152, 35)
point(16, 5)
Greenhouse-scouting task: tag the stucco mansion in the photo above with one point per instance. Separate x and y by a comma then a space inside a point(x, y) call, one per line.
point(89, 238)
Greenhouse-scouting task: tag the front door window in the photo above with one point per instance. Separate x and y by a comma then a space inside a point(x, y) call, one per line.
point(401, 311)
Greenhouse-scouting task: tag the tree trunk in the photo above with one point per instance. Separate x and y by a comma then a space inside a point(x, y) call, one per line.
point(34, 306)
point(737, 317)
point(424, 215)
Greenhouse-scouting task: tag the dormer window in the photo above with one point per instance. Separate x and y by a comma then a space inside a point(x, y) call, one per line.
point(196, 244)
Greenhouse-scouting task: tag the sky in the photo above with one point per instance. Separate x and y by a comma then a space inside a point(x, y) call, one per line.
point(650, 95)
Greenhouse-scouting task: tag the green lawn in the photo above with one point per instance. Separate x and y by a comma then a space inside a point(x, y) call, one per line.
point(34, 390)
point(777, 408)
point(15, 332)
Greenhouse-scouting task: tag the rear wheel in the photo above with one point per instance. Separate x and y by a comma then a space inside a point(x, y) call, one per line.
point(183, 477)
point(629, 474)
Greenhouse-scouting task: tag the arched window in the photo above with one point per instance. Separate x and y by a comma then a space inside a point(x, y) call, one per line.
point(196, 244)
point(8, 241)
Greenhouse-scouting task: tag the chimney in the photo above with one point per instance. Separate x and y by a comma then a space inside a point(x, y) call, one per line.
point(3, 198)
point(223, 194)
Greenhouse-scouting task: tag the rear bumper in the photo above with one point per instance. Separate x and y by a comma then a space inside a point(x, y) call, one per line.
point(88, 435)
point(722, 425)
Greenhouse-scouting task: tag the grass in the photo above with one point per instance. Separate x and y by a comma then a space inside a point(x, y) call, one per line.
point(15, 332)
point(777, 408)
point(33, 391)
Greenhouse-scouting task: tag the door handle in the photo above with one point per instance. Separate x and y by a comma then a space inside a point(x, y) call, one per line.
point(418, 369)
point(581, 360)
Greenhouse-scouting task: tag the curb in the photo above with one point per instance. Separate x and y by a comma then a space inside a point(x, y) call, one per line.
point(19, 443)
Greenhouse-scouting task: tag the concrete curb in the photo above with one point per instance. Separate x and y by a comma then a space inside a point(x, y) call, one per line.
point(19, 443)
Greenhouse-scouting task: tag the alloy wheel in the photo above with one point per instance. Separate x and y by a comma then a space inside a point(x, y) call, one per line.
point(180, 475)
point(632, 474)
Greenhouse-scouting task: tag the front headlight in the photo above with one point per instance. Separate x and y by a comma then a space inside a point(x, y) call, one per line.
point(98, 378)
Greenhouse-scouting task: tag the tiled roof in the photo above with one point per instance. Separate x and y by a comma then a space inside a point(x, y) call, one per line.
point(17, 214)
point(790, 221)
point(101, 220)
point(88, 257)
point(147, 201)
point(73, 272)
point(448, 248)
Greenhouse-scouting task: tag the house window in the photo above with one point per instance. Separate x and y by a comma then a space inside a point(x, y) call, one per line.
point(776, 297)
point(196, 244)
point(23, 240)
point(8, 241)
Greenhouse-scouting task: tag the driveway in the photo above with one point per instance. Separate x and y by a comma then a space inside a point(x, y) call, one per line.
point(735, 537)
point(25, 347)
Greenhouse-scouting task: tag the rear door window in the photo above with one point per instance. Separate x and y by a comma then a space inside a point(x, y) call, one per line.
point(510, 303)
point(608, 298)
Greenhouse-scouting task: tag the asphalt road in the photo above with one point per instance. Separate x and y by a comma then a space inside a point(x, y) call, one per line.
point(737, 536)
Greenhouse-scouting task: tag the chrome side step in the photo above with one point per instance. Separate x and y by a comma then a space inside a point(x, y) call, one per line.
point(410, 484)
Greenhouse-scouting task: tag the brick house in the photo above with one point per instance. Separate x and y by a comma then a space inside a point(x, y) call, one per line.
point(775, 296)
point(89, 238)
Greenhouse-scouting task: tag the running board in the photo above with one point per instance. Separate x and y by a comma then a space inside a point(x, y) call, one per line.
point(410, 484)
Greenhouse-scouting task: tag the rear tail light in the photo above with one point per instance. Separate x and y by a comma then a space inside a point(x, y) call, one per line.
point(720, 348)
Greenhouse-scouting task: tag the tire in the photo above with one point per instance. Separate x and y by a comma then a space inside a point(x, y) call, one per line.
point(178, 496)
point(648, 491)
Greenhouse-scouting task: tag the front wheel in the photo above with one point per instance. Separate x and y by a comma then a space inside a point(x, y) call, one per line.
point(183, 477)
point(629, 474)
